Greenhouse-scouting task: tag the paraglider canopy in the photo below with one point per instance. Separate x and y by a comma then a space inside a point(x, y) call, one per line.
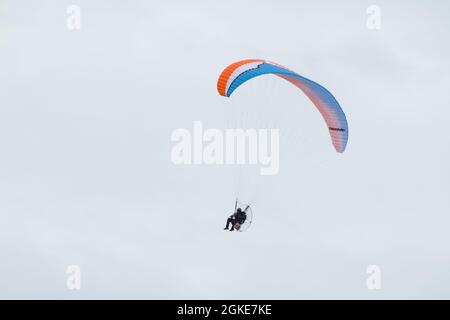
point(241, 71)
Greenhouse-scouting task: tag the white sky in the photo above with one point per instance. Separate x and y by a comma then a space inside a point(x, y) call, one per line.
point(85, 171)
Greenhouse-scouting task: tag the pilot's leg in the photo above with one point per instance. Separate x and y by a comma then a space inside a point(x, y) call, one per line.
point(233, 221)
point(228, 223)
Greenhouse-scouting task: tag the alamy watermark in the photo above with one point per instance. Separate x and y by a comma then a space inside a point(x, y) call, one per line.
point(73, 281)
point(73, 21)
point(230, 146)
point(374, 17)
point(373, 281)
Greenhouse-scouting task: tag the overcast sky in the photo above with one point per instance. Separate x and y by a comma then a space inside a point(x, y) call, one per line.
point(86, 179)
